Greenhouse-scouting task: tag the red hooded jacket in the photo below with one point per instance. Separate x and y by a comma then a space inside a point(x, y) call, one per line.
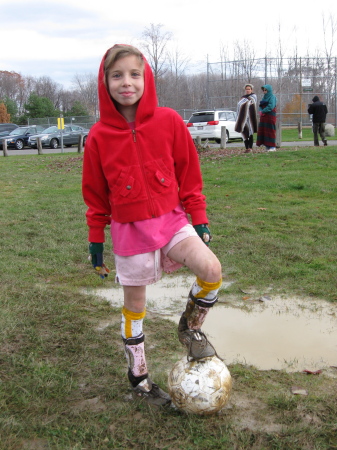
point(131, 175)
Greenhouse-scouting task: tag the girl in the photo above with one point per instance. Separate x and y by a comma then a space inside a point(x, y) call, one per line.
point(141, 175)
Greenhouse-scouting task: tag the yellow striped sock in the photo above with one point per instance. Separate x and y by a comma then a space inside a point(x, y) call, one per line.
point(133, 323)
point(206, 288)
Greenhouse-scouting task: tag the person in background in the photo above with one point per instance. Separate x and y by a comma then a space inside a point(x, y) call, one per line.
point(266, 131)
point(319, 111)
point(246, 121)
point(141, 176)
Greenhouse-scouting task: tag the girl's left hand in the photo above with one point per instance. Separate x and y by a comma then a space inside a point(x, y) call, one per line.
point(204, 233)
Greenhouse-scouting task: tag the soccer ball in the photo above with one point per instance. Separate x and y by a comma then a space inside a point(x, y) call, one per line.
point(200, 387)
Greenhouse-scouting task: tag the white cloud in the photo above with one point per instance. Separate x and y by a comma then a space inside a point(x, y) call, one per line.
point(61, 38)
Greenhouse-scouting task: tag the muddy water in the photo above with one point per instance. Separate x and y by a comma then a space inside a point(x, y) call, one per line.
point(277, 333)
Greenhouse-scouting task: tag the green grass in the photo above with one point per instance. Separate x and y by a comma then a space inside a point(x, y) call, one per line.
point(273, 217)
point(291, 135)
point(63, 378)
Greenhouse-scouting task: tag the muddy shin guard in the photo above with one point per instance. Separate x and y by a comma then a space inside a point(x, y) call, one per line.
point(133, 338)
point(202, 297)
point(135, 356)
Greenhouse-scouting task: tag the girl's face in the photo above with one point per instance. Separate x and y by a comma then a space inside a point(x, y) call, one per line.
point(248, 90)
point(126, 82)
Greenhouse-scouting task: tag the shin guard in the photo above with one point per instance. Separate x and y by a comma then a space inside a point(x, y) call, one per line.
point(135, 357)
point(203, 295)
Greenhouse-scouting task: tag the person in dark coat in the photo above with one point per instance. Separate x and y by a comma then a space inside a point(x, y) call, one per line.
point(319, 111)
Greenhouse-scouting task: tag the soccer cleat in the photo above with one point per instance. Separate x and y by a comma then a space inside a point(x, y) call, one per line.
point(197, 344)
point(151, 393)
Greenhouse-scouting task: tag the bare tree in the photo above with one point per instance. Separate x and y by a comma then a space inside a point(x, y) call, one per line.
point(177, 63)
point(329, 32)
point(46, 87)
point(173, 91)
point(86, 85)
point(155, 45)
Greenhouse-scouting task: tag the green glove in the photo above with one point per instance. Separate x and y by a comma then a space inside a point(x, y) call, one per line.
point(204, 233)
point(96, 258)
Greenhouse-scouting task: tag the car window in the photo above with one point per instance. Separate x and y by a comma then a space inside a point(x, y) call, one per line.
point(222, 116)
point(52, 129)
point(7, 127)
point(230, 115)
point(203, 117)
point(18, 131)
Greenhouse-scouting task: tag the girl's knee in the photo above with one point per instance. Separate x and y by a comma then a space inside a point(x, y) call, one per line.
point(213, 271)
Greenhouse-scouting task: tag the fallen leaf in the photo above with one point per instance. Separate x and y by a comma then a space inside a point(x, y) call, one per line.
point(246, 298)
point(311, 372)
point(262, 209)
point(264, 298)
point(248, 291)
point(298, 391)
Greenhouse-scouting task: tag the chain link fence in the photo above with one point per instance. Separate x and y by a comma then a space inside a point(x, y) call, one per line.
point(82, 121)
point(295, 82)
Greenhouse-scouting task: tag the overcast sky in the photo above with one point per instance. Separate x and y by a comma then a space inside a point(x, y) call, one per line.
point(66, 37)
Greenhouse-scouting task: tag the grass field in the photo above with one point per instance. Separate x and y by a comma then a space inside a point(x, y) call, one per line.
point(291, 135)
point(63, 374)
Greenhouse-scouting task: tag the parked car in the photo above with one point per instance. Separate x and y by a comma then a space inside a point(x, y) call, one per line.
point(6, 128)
point(18, 138)
point(207, 124)
point(51, 137)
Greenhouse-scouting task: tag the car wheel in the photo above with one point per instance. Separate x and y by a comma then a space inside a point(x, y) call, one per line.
point(54, 143)
point(19, 144)
point(227, 136)
point(84, 139)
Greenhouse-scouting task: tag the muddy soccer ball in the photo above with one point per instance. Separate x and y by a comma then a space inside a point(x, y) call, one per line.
point(200, 387)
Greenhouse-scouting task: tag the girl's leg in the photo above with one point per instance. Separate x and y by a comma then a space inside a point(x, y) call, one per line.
point(133, 337)
point(193, 253)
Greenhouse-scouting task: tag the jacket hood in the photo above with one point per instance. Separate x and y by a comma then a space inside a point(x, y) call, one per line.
point(268, 87)
point(269, 96)
point(146, 106)
point(315, 99)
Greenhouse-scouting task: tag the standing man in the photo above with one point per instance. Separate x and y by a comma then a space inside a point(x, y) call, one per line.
point(319, 111)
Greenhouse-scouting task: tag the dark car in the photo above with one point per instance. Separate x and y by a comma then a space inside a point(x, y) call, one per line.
point(51, 137)
point(18, 138)
point(6, 128)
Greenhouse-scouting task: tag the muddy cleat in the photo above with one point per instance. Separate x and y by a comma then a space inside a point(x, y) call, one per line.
point(197, 344)
point(151, 393)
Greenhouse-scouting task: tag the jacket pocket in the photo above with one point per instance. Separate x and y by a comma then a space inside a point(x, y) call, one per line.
point(159, 177)
point(126, 188)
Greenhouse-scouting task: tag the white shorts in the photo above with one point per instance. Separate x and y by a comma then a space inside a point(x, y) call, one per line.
point(147, 268)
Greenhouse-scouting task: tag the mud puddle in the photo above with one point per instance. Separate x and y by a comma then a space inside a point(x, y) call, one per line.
point(270, 333)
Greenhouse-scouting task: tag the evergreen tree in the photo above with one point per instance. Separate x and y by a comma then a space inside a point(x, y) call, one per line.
point(40, 107)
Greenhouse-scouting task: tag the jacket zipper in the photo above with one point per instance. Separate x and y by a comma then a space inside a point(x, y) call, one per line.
point(143, 171)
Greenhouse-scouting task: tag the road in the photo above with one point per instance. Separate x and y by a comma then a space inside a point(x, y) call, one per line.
point(46, 151)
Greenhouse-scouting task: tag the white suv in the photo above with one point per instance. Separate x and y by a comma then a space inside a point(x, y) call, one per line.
point(207, 124)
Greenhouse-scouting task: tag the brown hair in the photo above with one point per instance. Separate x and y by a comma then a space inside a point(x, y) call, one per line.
point(120, 51)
